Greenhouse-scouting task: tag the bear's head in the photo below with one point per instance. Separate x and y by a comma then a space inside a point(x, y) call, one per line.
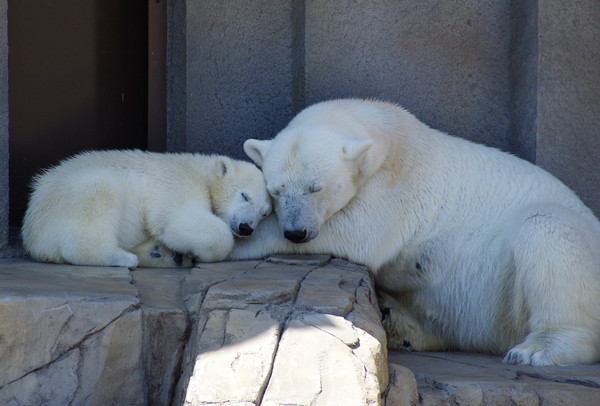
point(239, 195)
point(312, 172)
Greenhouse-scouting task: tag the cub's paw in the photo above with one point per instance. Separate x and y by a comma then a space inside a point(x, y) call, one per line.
point(153, 254)
point(125, 259)
point(162, 257)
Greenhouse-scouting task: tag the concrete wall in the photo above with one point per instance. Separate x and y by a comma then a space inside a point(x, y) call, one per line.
point(252, 66)
point(3, 126)
point(446, 62)
point(568, 94)
point(239, 73)
point(519, 75)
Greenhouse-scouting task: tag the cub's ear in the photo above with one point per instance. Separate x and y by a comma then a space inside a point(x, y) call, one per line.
point(224, 166)
point(256, 150)
point(354, 149)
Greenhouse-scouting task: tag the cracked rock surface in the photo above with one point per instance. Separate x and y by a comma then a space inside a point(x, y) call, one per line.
point(288, 330)
point(283, 331)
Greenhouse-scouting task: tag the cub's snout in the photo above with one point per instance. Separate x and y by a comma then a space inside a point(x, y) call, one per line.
point(244, 230)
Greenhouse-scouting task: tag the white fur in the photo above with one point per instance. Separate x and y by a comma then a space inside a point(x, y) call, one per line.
point(472, 248)
point(104, 207)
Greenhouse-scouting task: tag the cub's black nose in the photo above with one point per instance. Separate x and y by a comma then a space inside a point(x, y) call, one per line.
point(245, 229)
point(295, 235)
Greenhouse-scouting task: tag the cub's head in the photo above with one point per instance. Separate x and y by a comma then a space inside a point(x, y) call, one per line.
point(312, 173)
point(239, 195)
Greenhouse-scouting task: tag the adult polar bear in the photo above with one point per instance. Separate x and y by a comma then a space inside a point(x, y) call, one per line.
point(474, 249)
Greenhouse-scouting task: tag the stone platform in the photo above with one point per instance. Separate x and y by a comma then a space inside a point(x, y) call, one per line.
point(446, 378)
point(284, 331)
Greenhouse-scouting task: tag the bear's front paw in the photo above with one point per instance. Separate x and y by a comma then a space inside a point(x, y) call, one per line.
point(517, 356)
point(563, 346)
point(404, 332)
point(530, 354)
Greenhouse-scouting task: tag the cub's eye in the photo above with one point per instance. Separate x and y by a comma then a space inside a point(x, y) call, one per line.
point(275, 192)
point(245, 197)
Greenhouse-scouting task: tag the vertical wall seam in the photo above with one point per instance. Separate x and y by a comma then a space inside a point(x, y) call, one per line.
point(177, 45)
point(524, 78)
point(298, 55)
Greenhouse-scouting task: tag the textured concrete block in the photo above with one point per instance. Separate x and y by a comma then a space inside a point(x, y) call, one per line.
point(568, 140)
point(234, 356)
point(239, 73)
point(46, 322)
point(69, 335)
point(446, 62)
point(295, 344)
point(403, 387)
point(310, 364)
point(53, 385)
point(110, 369)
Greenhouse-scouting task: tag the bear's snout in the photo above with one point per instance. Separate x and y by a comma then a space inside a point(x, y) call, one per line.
point(295, 236)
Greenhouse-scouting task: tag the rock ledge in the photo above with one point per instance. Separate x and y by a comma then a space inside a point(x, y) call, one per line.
point(284, 331)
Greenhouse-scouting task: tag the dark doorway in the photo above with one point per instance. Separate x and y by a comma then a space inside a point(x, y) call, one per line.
point(78, 80)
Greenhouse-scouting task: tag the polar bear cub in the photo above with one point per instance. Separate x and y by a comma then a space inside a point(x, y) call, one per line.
point(101, 207)
point(472, 249)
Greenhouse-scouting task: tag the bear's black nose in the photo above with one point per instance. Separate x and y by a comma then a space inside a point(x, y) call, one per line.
point(245, 229)
point(295, 235)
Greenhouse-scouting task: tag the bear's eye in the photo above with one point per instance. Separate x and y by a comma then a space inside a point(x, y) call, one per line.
point(314, 188)
point(274, 192)
point(245, 197)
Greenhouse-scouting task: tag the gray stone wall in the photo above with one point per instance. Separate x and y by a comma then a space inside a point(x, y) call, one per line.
point(239, 73)
point(252, 66)
point(519, 75)
point(446, 62)
point(3, 126)
point(568, 94)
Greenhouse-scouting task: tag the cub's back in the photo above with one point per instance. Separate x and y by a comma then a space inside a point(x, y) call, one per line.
point(138, 168)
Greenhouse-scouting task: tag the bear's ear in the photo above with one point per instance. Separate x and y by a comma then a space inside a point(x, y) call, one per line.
point(256, 150)
point(353, 149)
point(356, 151)
point(224, 166)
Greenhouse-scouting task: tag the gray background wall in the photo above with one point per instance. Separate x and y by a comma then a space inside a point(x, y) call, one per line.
point(519, 75)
